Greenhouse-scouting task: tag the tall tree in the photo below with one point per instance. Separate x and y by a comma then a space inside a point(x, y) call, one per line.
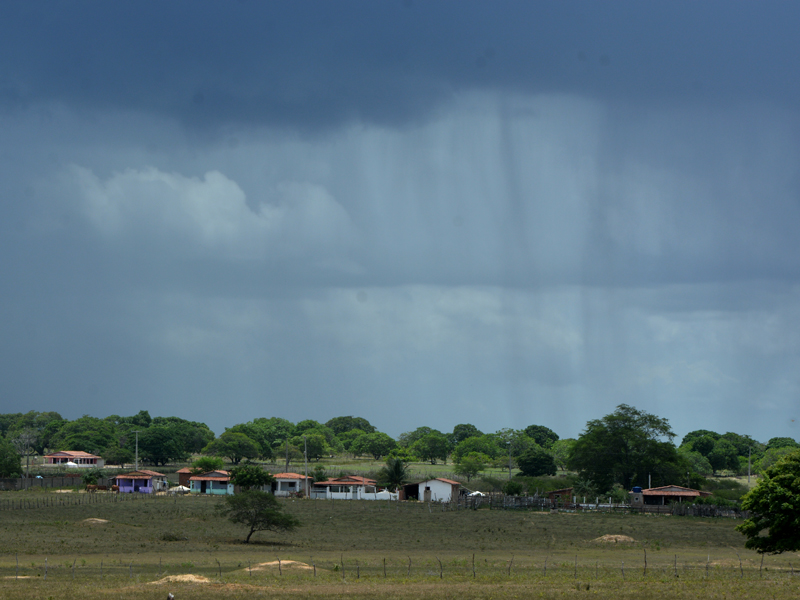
point(257, 510)
point(625, 447)
point(344, 424)
point(393, 474)
point(544, 436)
point(235, 446)
point(10, 465)
point(774, 504)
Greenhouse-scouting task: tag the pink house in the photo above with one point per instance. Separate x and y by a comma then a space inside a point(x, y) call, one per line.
point(70, 458)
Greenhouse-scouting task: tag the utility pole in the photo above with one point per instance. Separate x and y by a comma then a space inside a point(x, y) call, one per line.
point(509, 460)
point(305, 456)
point(136, 464)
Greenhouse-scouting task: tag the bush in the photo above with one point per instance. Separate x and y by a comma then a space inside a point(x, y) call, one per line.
point(513, 487)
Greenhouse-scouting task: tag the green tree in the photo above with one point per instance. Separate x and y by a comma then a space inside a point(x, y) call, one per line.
point(408, 438)
point(316, 443)
point(377, 444)
point(773, 455)
point(206, 464)
point(544, 436)
point(469, 465)
point(536, 462)
point(250, 476)
point(774, 504)
point(696, 461)
point(160, 444)
point(625, 447)
point(463, 431)
point(512, 487)
point(341, 425)
point(235, 446)
point(723, 456)
point(257, 510)
point(431, 447)
point(10, 463)
point(393, 474)
point(88, 434)
point(561, 451)
point(782, 442)
point(484, 444)
point(690, 438)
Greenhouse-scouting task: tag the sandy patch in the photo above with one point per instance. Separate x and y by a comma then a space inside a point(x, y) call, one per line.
point(93, 521)
point(188, 578)
point(614, 539)
point(285, 564)
point(62, 491)
point(20, 577)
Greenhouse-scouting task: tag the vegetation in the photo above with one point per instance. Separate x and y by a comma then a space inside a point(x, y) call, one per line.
point(394, 474)
point(10, 463)
point(260, 511)
point(775, 504)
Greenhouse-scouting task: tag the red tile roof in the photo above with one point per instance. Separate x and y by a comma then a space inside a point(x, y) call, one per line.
point(289, 476)
point(674, 490)
point(348, 480)
point(185, 470)
point(212, 476)
point(141, 474)
point(71, 454)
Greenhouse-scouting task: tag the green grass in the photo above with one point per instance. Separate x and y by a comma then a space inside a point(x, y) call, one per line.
point(146, 540)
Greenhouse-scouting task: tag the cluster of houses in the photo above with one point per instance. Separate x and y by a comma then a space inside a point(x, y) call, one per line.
point(349, 487)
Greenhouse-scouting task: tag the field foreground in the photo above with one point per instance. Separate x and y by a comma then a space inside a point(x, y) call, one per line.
point(151, 547)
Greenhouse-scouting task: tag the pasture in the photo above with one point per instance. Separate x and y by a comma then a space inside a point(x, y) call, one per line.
point(368, 549)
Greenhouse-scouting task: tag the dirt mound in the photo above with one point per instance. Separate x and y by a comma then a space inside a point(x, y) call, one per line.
point(614, 539)
point(285, 564)
point(93, 521)
point(188, 578)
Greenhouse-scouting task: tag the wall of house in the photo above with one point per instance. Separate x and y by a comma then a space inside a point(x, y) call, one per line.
point(440, 491)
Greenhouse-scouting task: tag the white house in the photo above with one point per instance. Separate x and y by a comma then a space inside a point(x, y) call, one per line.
point(436, 490)
point(286, 484)
point(351, 487)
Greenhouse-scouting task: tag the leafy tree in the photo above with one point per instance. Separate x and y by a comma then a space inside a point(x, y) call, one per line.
point(512, 487)
point(320, 474)
point(347, 438)
point(317, 445)
point(773, 455)
point(409, 438)
point(462, 432)
point(394, 474)
point(704, 445)
point(206, 464)
point(377, 444)
point(782, 442)
point(161, 444)
point(561, 451)
point(624, 447)
point(723, 456)
point(235, 446)
point(544, 436)
point(10, 463)
point(484, 444)
point(117, 454)
point(774, 504)
point(469, 465)
point(690, 437)
point(192, 436)
point(258, 510)
point(696, 461)
point(537, 461)
point(90, 476)
point(88, 434)
point(341, 425)
point(250, 476)
point(431, 447)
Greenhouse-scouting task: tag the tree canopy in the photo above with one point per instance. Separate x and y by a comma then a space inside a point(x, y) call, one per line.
point(10, 463)
point(625, 447)
point(235, 446)
point(257, 510)
point(774, 504)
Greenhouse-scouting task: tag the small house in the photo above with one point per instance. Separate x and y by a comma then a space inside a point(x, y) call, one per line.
point(350, 487)
point(287, 484)
point(562, 497)
point(662, 496)
point(72, 458)
point(141, 482)
point(436, 490)
point(213, 482)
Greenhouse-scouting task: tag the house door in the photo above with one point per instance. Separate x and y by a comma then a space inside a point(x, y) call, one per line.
point(427, 496)
point(203, 487)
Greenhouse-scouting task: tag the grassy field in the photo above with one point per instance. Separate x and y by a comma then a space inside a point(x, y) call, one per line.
point(363, 549)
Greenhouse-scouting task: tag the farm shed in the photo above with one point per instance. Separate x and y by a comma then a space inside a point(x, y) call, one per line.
point(213, 482)
point(560, 497)
point(72, 458)
point(436, 490)
point(286, 484)
point(351, 487)
point(142, 482)
point(664, 495)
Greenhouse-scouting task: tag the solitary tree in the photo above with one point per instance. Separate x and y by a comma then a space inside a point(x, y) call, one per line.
point(537, 461)
point(258, 510)
point(471, 464)
point(394, 474)
point(774, 504)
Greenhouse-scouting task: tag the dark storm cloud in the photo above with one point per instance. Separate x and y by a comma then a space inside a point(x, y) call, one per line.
point(318, 64)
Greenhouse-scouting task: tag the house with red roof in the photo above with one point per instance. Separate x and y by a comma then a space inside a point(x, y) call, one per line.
point(141, 482)
point(289, 484)
point(662, 496)
point(433, 490)
point(213, 482)
point(72, 458)
point(350, 487)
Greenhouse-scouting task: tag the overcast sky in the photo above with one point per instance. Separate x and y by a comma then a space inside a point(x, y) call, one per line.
point(417, 212)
